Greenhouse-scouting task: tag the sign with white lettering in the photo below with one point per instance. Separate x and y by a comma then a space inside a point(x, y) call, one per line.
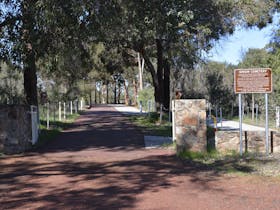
point(253, 80)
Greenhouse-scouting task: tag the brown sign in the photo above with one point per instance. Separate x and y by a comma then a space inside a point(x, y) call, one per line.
point(253, 80)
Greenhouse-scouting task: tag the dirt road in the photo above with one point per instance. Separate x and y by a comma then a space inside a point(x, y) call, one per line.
point(100, 163)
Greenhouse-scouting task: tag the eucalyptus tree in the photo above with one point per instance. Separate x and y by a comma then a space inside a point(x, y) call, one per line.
point(34, 29)
point(10, 84)
point(274, 63)
point(159, 30)
point(165, 30)
point(219, 85)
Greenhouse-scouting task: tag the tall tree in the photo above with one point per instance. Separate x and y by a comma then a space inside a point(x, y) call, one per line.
point(32, 29)
point(160, 29)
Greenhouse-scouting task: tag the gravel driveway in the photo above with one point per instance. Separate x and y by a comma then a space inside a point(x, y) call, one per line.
point(100, 163)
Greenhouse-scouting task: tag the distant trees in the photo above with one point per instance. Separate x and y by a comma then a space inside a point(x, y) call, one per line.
point(274, 63)
point(164, 32)
point(11, 84)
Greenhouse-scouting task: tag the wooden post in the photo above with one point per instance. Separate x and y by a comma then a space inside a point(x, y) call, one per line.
point(246, 142)
point(271, 141)
point(48, 115)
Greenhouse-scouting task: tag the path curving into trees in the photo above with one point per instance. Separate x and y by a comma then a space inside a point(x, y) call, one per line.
point(100, 163)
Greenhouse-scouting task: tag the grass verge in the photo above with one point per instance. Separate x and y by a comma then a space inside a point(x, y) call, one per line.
point(150, 124)
point(231, 162)
point(56, 127)
point(259, 122)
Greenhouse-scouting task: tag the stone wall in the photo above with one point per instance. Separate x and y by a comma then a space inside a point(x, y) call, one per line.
point(15, 128)
point(229, 140)
point(190, 125)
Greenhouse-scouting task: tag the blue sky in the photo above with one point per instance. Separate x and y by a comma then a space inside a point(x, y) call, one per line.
point(229, 49)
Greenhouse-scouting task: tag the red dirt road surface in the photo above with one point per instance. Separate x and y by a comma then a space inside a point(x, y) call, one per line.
point(101, 163)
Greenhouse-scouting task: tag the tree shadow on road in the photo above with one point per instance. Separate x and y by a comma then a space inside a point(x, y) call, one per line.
point(61, 176)
point(98, 130)
point(72, 184)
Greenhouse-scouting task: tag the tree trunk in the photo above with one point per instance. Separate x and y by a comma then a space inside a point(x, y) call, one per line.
point(107, 92)
point(253, 106)
point(160, 75)
point(115, 93)
point(166, 101)
point(153, 72)
point(135, 92)
point(28, 54)
point(30, 79)
point(90, 99)
point(140, 72)
point(119, 93)
point(126, 94)
point(95, 94)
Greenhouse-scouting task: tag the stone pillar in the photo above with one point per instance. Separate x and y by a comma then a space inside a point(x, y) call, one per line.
point(190, 125)
point(15, 128)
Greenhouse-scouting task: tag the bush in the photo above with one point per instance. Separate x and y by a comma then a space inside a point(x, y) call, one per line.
point(153, 117)
point(146, 95)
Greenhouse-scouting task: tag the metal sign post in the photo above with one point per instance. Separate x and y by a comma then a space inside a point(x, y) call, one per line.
point(257, 80)
point(266, 124)
point(257, 112)
point(240, 123)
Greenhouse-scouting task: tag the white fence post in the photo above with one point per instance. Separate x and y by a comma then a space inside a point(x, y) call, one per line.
point(173, 121)
point(277, 117)
point(149, 106)
point(140, 107)
point(76, 106)
point(64, 110)
point(71, 107)
point(81, 104)
point(34, 124)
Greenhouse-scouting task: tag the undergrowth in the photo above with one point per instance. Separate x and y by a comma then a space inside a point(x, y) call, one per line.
point(151, 124)
point(46, 135)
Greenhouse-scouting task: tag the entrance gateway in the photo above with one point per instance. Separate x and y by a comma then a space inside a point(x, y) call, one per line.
point(255, 80)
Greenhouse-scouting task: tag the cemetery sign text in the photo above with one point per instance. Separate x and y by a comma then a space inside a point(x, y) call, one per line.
point(253, 80)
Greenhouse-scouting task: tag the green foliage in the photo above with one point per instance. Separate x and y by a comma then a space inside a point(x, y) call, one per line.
point(57, 36)
point(11, 84)
point(219, 85)
point(264, 58)
point(255, 58)
point(218, 93)
point(153, 117)
point(192, 155)
point(146, 95)
point(274, 63)
point(149, 123)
